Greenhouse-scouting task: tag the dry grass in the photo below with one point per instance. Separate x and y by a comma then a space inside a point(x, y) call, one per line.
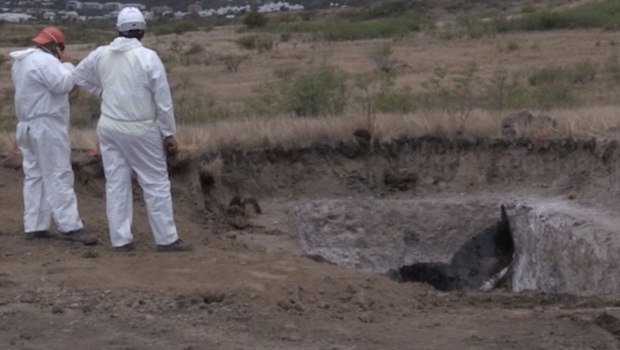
point(417, 55)
point(287, 133)
point(290, 133)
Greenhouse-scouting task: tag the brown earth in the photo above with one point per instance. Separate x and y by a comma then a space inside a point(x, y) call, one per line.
point(248, 285)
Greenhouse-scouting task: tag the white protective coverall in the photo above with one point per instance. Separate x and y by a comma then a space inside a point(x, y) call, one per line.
point(136, 115)
point(42, 85)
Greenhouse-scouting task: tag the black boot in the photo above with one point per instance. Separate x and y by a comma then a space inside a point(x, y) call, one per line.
point(39, 235)
point(79, 236)
point(126, 248)
point(177, 246)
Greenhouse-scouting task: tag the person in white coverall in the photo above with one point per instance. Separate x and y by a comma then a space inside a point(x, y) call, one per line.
point(42, 77)
point(136, 130)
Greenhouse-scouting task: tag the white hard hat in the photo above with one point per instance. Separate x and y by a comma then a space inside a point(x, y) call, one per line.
point(130, 18)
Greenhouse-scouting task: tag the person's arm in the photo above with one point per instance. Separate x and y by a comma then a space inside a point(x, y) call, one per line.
point(158, 85)
point(57, 77)
point(85, 74)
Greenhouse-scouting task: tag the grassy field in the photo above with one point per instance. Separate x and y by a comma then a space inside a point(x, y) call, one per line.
point(295, 79)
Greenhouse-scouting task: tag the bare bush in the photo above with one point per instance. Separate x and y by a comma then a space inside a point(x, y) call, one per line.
point(193, 106)
point(233, 61)
point(456, 97)
point(382, 56)
point(259, 43)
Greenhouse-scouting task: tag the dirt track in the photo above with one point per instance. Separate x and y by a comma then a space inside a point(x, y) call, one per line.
point(251, 288)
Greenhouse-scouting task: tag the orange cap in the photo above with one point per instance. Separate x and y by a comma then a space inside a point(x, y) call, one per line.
point(50, 35)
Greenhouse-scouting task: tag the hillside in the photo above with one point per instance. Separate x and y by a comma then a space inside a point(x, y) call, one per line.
point(450, 6)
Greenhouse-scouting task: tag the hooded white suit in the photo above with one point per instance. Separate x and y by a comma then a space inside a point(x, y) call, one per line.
point(42, 85)
point(136, 115)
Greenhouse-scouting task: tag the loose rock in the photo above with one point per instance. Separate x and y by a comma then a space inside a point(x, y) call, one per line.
point(214, 298)
point(90, 255)
point(366, 318)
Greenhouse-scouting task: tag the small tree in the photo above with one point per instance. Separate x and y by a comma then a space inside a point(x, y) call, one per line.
point(255, 20)
point(232, 62)
point(382, 56)
point(496, 88)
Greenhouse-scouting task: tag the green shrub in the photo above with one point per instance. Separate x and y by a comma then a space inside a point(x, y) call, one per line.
point(344, 30)
point(547, 76)
point(501, 93)
point(254, 20)
point(612, 67)
point(88, 36)
point(193, 55)
point(320, 90)
point(382, 56)
point(605, 15)
point(264, 43)
point(192, 106)
point(517, 96)
point(359, 30)
point(285, 73)
point(307, 15)
point(467, 27)
point(377, 92)
point(554, 96)
point(457, 95)
point(268, 100)
point(583, 72)
point(259, 42)
point(392, 100)
point(247, 42)
point(529, 8)
point(512, 46)
point(393, 8)
point(497, 89)
point(195, 49)
point(177, 27)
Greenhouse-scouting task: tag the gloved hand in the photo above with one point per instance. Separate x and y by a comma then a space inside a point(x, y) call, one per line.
point(171, 146)
point(63, 57)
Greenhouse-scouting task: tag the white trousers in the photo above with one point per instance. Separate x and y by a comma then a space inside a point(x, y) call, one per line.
point(121, 153)
point(48, 176)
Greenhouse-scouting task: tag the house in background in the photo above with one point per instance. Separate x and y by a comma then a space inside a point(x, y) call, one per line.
point(194, 8)
point(112, 6)
point(74, 5)
point(92, 6)
point(139, 6)
point(160, 10)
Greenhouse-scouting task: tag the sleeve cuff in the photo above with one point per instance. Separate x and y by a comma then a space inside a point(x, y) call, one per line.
point(69, 66)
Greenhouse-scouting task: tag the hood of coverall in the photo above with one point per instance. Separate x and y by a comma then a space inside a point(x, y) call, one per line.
point(19, 55)
point(121, 44)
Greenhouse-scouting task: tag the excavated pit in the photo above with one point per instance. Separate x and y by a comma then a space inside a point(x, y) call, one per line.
point(459, 243)
point(450, 243)
point(410, 208)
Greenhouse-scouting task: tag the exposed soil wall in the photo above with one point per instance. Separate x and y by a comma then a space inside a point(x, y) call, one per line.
point(583, 170)
point(565, 248)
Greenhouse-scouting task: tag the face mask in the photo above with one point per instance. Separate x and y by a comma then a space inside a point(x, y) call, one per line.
point(54, 51)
